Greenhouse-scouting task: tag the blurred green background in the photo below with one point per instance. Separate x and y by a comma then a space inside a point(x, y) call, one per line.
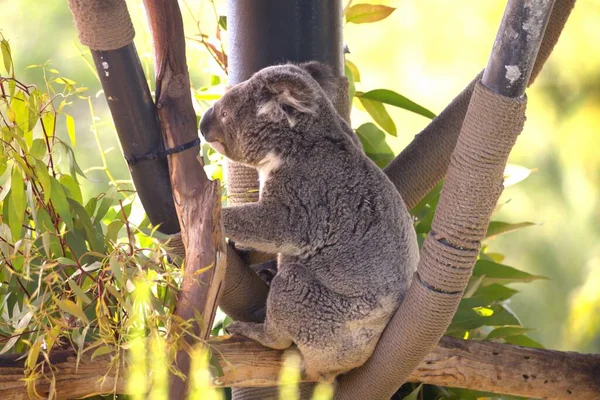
point(427, 50)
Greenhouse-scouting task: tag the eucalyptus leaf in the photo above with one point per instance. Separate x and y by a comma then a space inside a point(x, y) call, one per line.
point(377, 110)
point(365, 13)
point(108, 200)
point(505, 331)
point(73, 309)
point(73, 188)
point(6, 55)
point(60, 203)
point(394, 99)
point(500, 273)
point(498, 227)
point(353, 70)
point(374, 144)
point(71, 128)
point(79, 292)
point(17, 204)
point(414, 395)
point(96, 241)
point(223, 22)
point(522, 340)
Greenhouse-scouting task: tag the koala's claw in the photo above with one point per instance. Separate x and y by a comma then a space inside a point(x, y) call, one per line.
point(258, 333)
point(232, 330)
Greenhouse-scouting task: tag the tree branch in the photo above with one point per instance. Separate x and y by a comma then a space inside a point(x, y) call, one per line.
point(197, 199)
point(485, 366)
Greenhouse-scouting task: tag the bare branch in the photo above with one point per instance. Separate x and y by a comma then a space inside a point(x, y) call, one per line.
point(197, 199)
point(485, 366)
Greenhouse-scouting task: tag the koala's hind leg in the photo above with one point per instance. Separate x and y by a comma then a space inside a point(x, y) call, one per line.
point(264, 333)
point(325, 325)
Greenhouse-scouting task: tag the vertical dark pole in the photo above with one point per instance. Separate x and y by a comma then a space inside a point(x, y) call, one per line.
point(267, 32)
point(135, 118)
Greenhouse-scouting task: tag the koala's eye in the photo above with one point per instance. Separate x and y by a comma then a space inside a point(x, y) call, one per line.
point(223, 114)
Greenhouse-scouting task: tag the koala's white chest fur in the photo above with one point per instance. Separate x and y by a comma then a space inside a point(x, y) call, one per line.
point(266, 166)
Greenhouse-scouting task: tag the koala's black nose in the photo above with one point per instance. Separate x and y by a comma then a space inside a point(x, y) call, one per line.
point(205, 122)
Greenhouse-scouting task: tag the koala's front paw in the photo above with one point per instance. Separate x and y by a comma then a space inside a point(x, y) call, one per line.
point(257, 332)
point(236, 328)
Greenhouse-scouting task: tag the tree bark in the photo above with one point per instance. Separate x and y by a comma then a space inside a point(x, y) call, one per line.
point(197, 199)
point(492, 367)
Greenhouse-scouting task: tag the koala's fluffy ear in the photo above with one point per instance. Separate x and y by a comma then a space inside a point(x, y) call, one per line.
point(287, 99)
point(335, 87)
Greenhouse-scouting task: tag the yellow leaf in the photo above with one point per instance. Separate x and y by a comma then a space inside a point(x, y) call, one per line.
point(73, 309)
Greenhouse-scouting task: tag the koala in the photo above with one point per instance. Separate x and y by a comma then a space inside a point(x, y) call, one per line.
point(346, 247)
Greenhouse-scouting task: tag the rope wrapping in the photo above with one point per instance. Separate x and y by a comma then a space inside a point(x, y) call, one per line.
point(474, 184)
point(102, 24)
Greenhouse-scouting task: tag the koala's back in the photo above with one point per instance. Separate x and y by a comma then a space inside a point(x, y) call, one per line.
point(335, 298)
point(359, 234)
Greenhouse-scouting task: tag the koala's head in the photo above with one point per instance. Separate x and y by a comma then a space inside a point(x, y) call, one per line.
point(272, 111)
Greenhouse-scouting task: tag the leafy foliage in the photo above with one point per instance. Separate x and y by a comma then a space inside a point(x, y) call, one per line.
point(69, 268)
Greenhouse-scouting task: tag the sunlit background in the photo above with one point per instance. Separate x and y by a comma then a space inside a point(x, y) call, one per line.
point(427, 50)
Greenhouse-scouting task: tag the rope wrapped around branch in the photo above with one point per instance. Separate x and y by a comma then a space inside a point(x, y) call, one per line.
point(102, 25)
point(472, 189)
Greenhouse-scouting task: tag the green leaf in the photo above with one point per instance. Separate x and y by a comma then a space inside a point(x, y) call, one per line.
point(498, 227)
point(394, 99)
point(17, 204)
point(60, 203)
point(79, 292)
point(505, 331)
point(223, 22)
point(100, 351)
point(20, 107)
point(500, 273)
point(414, 395)
point(495, 292)
point(48, 120)
point(41, 171)
point(115, 267)
point(33, 110)
point(38, 148)
point(374, 145)
point(73, 189)
point(353, 70)
point(90, 207)
point(112, 231)
point(66, 261)
point(74, 168)
point(95, 241)
point(107, 201)
point(43, 222)
point(71, 128)
point(6, 183)
point(525, 341)
point(365, 13)
point(467, 319)
point(73, 309)
point(502, 316)
point(6, 55)
point(377, 110)
point(351, 86)
point(65, 81)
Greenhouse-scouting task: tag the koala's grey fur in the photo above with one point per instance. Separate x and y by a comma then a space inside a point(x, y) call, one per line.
point(347, 249)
